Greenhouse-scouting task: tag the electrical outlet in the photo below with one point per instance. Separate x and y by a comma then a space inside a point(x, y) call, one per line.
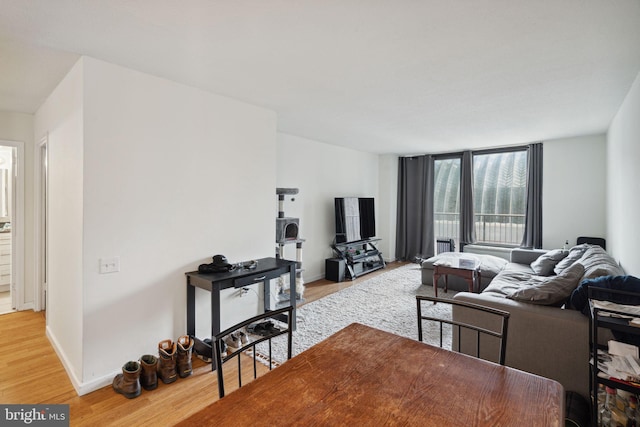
point(109, 265)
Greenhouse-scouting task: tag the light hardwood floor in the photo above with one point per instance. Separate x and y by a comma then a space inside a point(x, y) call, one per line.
point(31, 373)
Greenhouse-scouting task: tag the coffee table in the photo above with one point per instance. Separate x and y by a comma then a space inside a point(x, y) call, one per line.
point(467, 268)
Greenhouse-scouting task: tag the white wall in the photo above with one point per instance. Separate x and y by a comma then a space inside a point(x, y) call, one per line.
point(623, 182)
point(61, 118)
point(321, 172)
point(574, 190)
point(18, 127)
point(166, 176)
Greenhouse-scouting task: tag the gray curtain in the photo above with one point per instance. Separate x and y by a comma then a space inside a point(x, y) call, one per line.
point(533, 217)
point(467, 228)
point(414, 236)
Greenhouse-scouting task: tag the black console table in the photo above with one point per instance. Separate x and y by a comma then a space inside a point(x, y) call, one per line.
point(267, 269)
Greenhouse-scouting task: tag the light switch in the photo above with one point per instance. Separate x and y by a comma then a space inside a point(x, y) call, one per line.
point(109, 265)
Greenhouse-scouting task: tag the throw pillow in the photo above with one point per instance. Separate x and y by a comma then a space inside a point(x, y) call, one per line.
point(552, 290)
point(575, 253)
point(543, 266)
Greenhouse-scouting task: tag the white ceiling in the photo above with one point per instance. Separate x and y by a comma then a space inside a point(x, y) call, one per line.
point(395, 76)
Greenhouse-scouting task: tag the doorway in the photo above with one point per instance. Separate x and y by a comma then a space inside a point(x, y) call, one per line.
point(11, 226)
point(42, 234)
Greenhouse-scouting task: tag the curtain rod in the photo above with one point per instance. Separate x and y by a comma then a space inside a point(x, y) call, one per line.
point(500, 149)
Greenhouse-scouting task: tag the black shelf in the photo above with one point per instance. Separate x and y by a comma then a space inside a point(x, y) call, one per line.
point(617, 324)
point(360, 257)
point(367, 254)
point(615, 383)
point(600, 318)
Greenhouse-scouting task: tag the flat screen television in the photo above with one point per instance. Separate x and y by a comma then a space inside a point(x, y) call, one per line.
point(355, 219)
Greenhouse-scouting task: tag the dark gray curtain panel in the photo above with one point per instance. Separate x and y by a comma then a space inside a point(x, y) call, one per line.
point(533, 218)
point(467, 227)
point(414, 233)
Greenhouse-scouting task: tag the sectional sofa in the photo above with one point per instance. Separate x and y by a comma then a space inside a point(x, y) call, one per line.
point(545, 337)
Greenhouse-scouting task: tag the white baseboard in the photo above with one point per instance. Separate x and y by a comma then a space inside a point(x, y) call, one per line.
point(96, 384)
point(313, 278)
point(80, 387)
point(26, 306)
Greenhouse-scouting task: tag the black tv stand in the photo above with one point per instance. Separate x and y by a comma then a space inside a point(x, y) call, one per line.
point(360, 257)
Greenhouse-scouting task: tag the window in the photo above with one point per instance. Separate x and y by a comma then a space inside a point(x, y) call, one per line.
point(499, 196)
point(446, 199)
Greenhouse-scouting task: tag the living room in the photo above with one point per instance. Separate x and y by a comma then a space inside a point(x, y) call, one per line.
point(189, 172)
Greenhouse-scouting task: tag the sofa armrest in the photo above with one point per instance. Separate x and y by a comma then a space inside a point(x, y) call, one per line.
point(526, 256)
point(546, 341)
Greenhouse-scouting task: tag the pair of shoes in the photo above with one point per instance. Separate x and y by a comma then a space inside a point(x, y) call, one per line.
point(233, 342)
point(236, 340)
point(136, 374)
point(263, 329)
point(204, 349)
point(175, 359)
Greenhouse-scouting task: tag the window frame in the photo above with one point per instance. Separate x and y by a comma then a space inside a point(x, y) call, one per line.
point(488, 151)
point(500, 150)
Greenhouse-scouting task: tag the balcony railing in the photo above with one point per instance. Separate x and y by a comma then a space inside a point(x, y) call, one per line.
point(506, 229)
point(501, 229)
point(447, 225)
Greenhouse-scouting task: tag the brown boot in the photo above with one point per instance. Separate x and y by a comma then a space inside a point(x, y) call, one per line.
point(185, 348)
point(167, 361)
point(128, 382)
point(149, 377)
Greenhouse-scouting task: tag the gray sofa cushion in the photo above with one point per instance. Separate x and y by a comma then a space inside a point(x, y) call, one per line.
point(491, 265)
point(550, 290)
point(575, 253)
point(597, 262)
point(525, 256)
point(543, 266)
point(509, 280)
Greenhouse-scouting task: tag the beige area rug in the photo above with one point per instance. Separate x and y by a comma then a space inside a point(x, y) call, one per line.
point(386, 302)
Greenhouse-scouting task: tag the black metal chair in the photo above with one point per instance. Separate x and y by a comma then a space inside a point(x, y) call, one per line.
point(593, 241)
point(261, 335)
point(445, 245)
point(467, 332)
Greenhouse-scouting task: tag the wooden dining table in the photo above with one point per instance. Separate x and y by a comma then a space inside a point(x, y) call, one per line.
point(365, 376)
